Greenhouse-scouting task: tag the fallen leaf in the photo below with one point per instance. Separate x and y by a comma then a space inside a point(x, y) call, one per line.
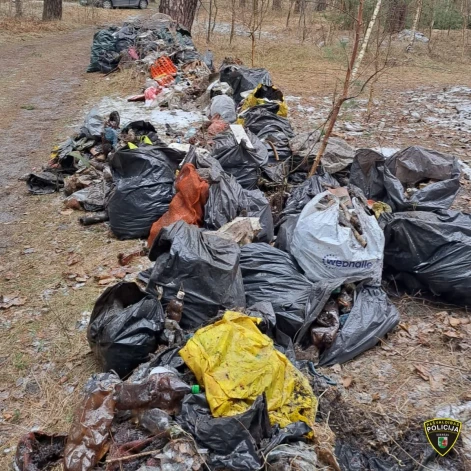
point(347, 382)
point(452, 334)
point(67, 212)
point(63, 379)
point(7, 416)
point(73, 259)
point(404, 326)
point(81, 279)
point(422, 372)
point(337, 368)
point(106, 281)
point(453, 321)
point(376, 396)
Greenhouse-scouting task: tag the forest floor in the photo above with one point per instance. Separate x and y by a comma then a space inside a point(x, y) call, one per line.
point(44, 355)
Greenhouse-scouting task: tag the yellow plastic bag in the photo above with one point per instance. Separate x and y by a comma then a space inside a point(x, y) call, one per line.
point(236, 363)
point(257, 97)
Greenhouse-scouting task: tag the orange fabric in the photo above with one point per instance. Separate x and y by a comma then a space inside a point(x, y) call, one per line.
point(187, 204)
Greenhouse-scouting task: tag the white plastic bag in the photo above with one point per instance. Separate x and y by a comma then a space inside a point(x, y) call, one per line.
point(324, 249)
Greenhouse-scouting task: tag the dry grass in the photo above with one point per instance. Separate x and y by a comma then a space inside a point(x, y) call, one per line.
point(74, 16)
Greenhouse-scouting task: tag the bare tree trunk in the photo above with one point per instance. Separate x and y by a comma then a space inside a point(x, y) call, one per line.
point(242, 3)
point(216, 9)
point(321, 5)
point(346, 86)
point(397, 15)
point(276, 5)
point(231, 37)
point(252, 37)
point(182, 11)
point(208, 36)
point(297, 6)
point(414, 25)
point(52, 10)
point(366, 39)
point(19, 8)
point(289, 12)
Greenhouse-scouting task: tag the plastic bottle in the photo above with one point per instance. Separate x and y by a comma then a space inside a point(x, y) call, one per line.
point(175, 307)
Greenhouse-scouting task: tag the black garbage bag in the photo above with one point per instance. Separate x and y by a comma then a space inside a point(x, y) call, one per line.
point(93, 125)
point(268, 126)
point(233, 441)
point(44, 183)
point(242, 79)
point(290, 434)
point(353, 459)
point(228, 200)
point(396, 180)
point(238, 160)
point(103, 42)
point(370, 319)
point(203, 264)
point(300, 197)
point(143, 190)
point(430, 251)
point(124, 326)
point(272, 275)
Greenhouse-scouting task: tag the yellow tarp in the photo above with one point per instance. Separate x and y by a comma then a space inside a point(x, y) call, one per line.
point(252, 101)
point(236, 363)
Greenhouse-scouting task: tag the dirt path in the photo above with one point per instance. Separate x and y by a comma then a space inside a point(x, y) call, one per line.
point(40, 83)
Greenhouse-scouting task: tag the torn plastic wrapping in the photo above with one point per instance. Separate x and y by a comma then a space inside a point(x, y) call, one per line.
point(93, 125)
point(239, 160)
point(143, 190)
point(187, 257)
point(44, 183)
point(430, 251)
point(326, 250)
point(236, 363)
point(383, 179)
point(243, 79)
point(298, 456)
point(89, 436)
point(123, 327)
point(228, 200)
point(223, 106)
point(162, 389)
point(232, 440)
point(271, 275)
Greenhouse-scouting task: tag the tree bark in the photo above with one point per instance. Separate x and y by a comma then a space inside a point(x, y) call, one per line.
point(366, 39)
point(182, 11)
point(19, 8)
point(297, 6)
point(52, 10)
point(276, 5)
point(414, 26)
point(397, 15)
point(242, 3)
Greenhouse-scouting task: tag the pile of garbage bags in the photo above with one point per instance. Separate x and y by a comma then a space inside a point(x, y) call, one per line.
point(250, 258)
